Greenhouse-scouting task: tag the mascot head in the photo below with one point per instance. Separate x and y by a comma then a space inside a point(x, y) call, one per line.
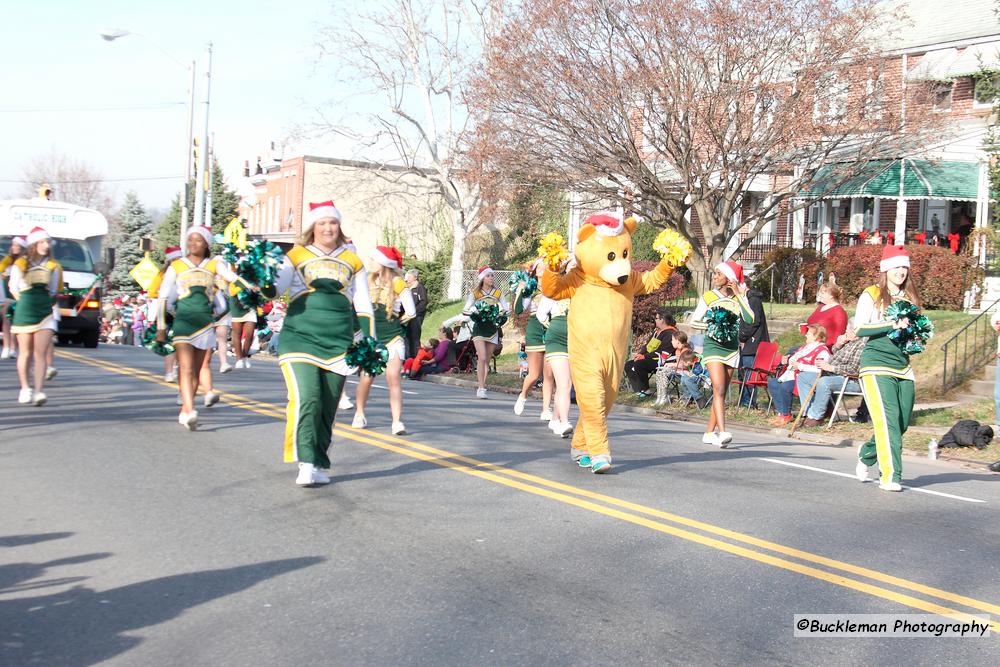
point(604, 248)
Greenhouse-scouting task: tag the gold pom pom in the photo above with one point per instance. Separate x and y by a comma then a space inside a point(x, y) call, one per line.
point(552, 248)
point(673, 248)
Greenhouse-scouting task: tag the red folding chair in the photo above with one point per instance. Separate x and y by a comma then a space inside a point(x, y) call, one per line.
point(764, 365)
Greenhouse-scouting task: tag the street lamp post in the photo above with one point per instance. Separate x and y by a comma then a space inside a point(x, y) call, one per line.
point(112, 35)
point(204, 169)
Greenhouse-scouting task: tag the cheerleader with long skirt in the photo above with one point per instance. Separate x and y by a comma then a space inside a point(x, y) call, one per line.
point(887, 380)
point(721, 356)
point(188, 292)
point(393, 307)
point(35, 280)
point(171, 254)
point(485, 336)
point(17, 247)
point(327, 285)
point(534, 344)
point(554, 315)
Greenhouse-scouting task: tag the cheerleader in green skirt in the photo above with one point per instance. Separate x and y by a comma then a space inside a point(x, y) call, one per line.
point(243, 323)
point(485, 337)
point(393, 307)
point(17, 247)
point(554, 315)
point(534, 344)
point(721, 357)
point(35, 280)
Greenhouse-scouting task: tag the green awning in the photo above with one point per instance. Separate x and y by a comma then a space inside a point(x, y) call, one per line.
point(922, 179)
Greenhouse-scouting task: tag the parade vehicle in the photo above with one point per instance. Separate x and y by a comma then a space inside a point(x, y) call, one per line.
point(78, 235)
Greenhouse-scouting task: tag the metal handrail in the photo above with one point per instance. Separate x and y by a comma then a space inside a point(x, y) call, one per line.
point(965, 361)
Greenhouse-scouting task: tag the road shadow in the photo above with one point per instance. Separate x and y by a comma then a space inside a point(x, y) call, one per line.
point(21, 540)
point(82, 626)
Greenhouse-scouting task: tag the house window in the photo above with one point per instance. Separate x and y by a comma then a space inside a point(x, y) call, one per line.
point(987, 89)
point(941, 93)
point(831, 99)
point(812, 224)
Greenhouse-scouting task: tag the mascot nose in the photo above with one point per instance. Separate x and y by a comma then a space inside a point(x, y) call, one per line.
point(622, 279)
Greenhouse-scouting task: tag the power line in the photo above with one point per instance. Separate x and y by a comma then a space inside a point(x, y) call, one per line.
point(98, 180)
point(138, 107)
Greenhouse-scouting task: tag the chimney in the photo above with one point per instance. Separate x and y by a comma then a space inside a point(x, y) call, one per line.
point(260, 170)
point(246, 168)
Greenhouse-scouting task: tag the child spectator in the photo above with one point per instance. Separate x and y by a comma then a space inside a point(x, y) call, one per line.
point(802, 372)
point(425, 353)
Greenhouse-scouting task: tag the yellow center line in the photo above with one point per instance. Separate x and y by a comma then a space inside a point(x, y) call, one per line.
point(559, 492)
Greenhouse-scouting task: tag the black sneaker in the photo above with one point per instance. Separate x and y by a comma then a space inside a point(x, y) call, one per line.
point(995, 467)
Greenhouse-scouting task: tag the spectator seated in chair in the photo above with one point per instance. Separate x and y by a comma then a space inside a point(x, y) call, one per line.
point(693, 379)
point(845, 362)
point(666, 373)
point(644, 363)
point(801, 373)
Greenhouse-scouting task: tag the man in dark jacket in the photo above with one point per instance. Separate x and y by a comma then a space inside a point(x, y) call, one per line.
point(419, 293)
point(752, 335)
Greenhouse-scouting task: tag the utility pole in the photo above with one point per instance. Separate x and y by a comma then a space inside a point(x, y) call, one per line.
point(202, 172)
point(210, 152)
point(188, 162)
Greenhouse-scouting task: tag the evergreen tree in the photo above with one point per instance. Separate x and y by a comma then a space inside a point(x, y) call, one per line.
point(131, 224)
point(225, 206)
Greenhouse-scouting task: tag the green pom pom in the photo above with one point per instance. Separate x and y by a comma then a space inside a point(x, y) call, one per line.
point(723, 324)
point(913, 338)
point(488, 314)
point(150, 343)
point(530, 284)
point(369, 355)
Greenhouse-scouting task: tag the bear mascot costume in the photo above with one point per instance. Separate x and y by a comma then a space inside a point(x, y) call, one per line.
point(601, 287)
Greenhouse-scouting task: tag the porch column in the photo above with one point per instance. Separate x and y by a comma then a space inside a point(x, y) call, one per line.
point(901, 207)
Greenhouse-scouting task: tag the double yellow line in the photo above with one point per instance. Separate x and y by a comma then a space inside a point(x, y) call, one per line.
point(733, 542)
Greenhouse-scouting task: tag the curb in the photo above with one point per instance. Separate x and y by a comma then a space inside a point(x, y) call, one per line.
point(812, 438)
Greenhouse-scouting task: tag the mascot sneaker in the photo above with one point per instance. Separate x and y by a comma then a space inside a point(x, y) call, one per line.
point(600, 464)
point(584, 461)
point(519, 405)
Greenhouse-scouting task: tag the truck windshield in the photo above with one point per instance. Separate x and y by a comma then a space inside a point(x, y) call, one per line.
point(73, 255)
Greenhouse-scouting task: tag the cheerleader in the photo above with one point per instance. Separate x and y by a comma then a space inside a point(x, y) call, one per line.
point(553, 315)
point(188, 291)
point(35, 279)
point(153, 293)
point(885, 372)
point(393, 307)
point(243, 322)
point(17, 246)
point(222, 324)
point(721, 357)
point(327, 285)
point(534, 345)
point(485, 337)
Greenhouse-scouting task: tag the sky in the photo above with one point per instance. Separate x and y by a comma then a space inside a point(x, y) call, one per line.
point(121, 106)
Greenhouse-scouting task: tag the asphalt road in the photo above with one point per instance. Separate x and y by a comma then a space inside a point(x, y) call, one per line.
point(473, 540)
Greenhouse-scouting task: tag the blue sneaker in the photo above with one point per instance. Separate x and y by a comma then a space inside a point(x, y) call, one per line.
point(583, 461)
point(600, 465)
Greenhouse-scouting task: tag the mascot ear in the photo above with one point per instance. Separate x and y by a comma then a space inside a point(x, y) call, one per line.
point(585, 233)
point(630, 224)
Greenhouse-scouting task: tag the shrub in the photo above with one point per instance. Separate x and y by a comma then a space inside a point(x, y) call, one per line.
point(941, 277)
point(433, 276)
point(790, 263)
point(644, 307)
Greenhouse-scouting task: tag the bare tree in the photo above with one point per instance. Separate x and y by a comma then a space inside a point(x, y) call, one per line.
point(72, 181)
point(415, 57)
point(674, 106)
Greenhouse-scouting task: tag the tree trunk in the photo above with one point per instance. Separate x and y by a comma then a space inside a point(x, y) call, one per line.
point(457, 258)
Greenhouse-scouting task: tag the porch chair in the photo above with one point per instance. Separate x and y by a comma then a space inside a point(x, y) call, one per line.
point(764, 364)
point(838, 404)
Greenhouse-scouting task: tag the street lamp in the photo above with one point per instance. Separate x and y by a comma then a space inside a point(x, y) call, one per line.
point(111, 35)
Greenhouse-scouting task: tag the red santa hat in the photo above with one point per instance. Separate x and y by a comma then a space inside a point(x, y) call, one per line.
point(894, 257)
point(606, 224)
point(387, 256)
point(36, 235)
point(202, 231)
point(731, 270)
point(173, 252)
point(19, 240)
point(483, 272)
point(318, 211)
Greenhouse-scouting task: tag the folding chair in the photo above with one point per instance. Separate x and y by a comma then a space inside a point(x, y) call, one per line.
point(764, 364)
point(840, 399)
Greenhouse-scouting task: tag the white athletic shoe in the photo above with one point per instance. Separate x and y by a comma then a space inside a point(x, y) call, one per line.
point(345, 402)
point(310, 475)
point(170, 377)
point(13, 353)
point(359, 421)
point(398, 428)
point(38, 399)
point(239, 364)
point(725, 437)
point(51, 372)
point(563, 429)
point(553, 424)
point(189, 420)
point(546, 416)
point(225, 367)
point(481, 393)
point(246, 363)
point(709, 438)
point(24, 398)
point(519, 405)
point(211, 398)
point(861, 471)
point(5, 354)
point(891, 486)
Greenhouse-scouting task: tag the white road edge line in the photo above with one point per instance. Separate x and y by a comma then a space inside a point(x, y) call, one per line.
point(378, 386)
point(850, 476)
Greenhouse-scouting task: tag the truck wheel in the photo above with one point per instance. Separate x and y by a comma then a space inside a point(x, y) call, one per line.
point(90, 338)
point(63, 340)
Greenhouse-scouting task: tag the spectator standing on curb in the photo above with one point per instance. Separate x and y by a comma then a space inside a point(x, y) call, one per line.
point(752, 335)
point(419, 293)
point(128, 318)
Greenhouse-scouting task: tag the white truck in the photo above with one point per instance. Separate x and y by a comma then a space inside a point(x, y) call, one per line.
point(78, 235)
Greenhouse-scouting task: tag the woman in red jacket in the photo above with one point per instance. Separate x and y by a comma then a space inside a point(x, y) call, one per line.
point(829, 314)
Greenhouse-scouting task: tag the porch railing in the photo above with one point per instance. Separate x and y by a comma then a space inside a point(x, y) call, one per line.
point(969, 349)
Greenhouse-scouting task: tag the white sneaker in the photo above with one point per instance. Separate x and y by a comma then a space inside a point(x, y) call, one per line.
point(345, 402)
point(891, 486)
point(51, 372)
point(709, 438)
point(310, 475)
point(563, 429)
point(519, 405)
point(38, 399)
point(5, 354)
point(24, 398)
point(546, 416)
point(225, 367)
point(239, 364)
point(211, 398)
point(481, 393)
point(553, 424)
point(861, 471)
point(246, 363)
point(725, 437)
point(359, 421)
point(188, 420)
point(170, 377)
point(398, 428)
point(13, 353)
point(180, 401)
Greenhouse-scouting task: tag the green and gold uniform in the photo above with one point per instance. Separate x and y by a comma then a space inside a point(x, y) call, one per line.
point(481, 331)
point(35, 287)
point(725, 352)
point(391, 317)
point(190, 292)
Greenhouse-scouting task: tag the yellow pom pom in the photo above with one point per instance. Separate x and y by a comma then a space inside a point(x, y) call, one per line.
point(673, 248)
point(552, 248)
